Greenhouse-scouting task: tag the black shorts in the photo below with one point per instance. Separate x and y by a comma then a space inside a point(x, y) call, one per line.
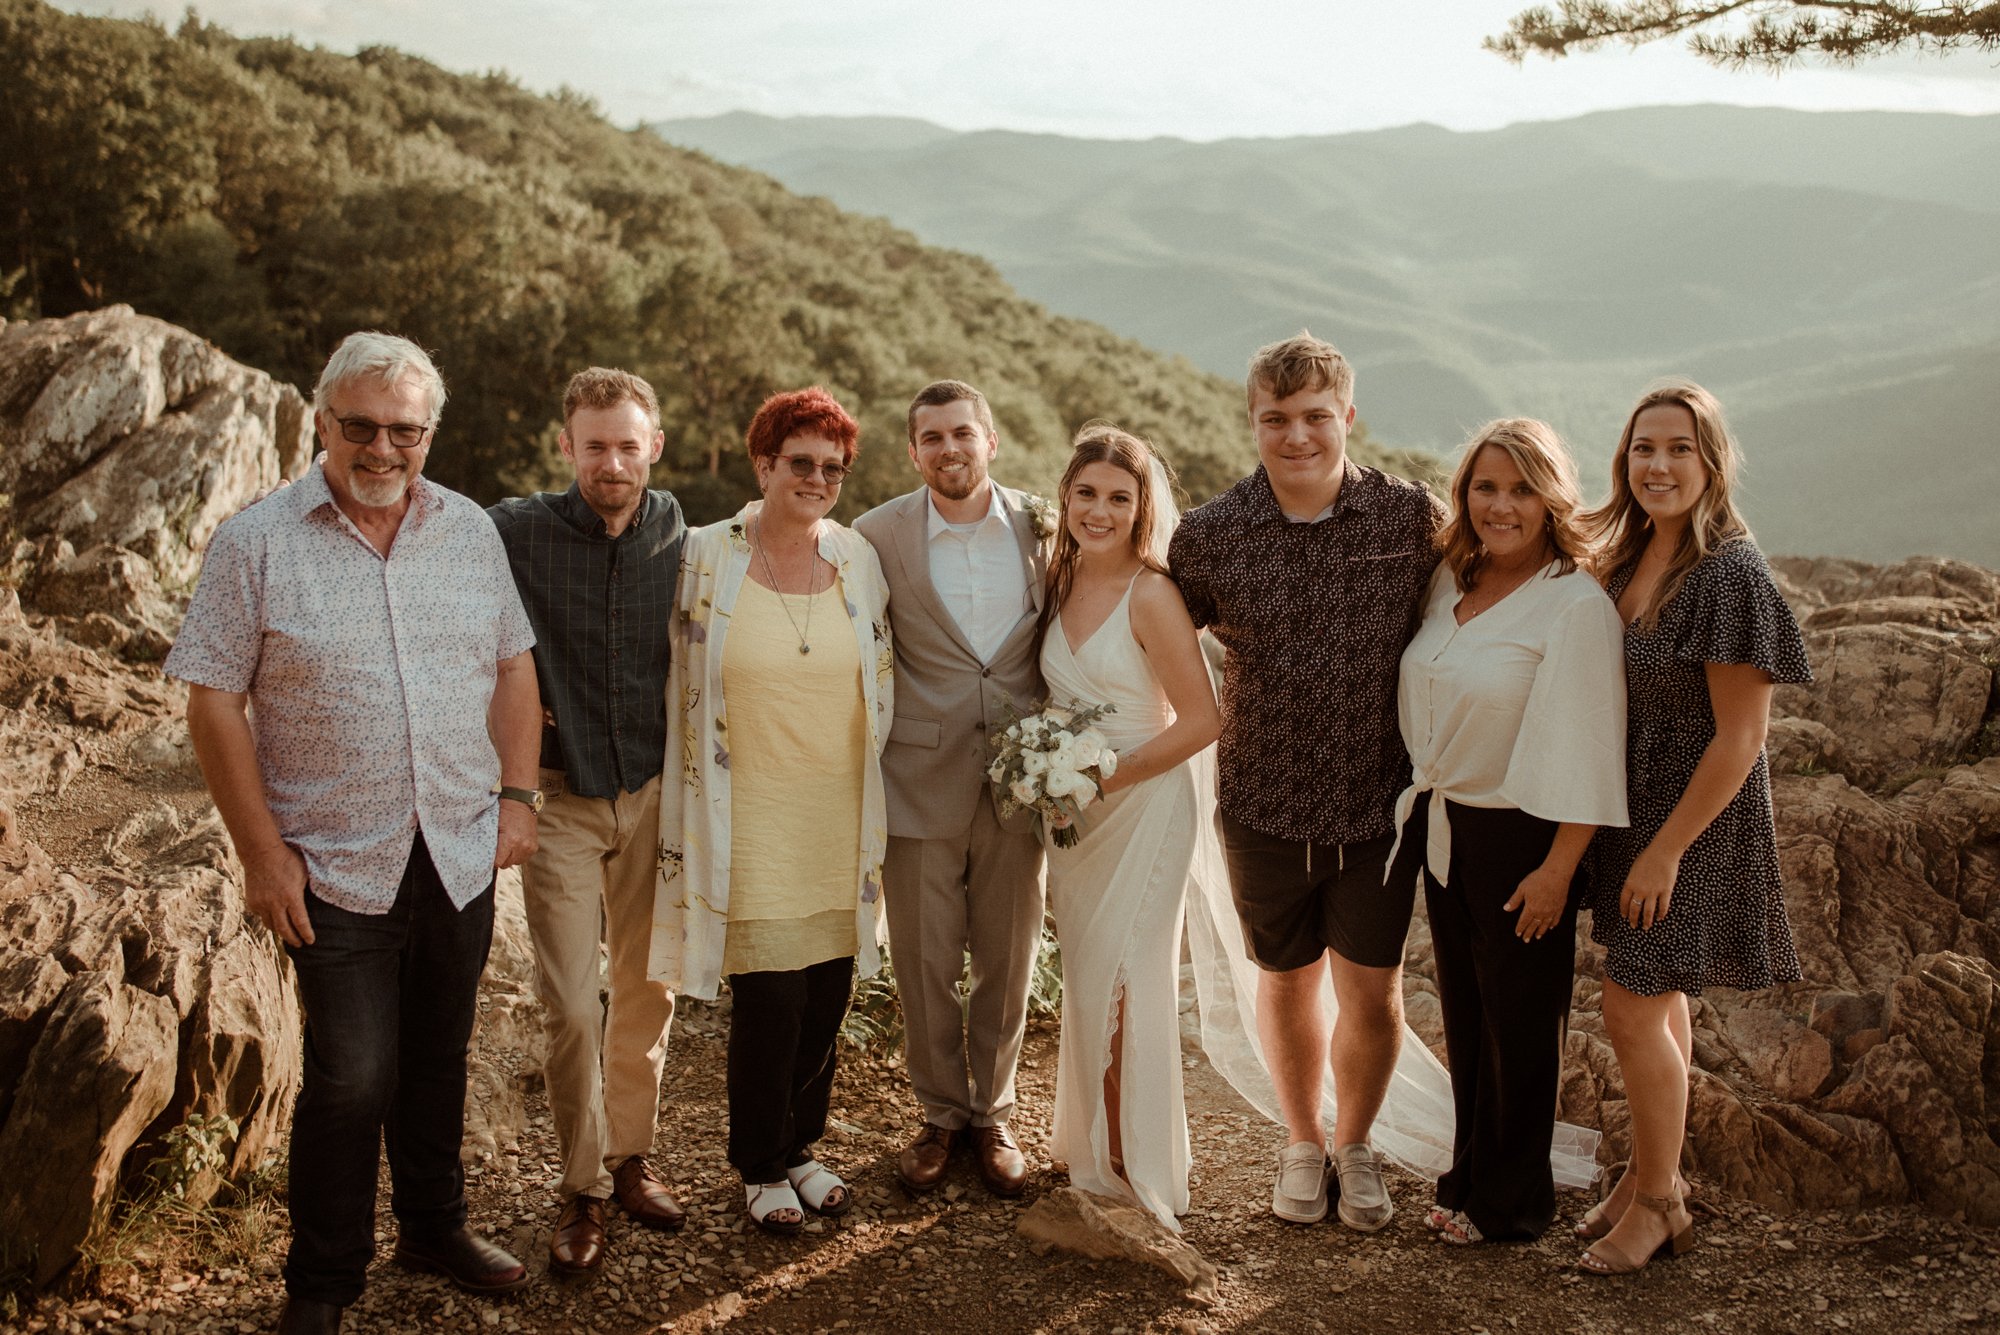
point(1299, 899)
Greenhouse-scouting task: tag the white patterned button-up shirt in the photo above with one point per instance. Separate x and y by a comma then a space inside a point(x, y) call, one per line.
point(368, 679)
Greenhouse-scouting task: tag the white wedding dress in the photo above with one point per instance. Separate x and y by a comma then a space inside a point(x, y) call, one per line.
point(1148, 863)
point(1117, 897)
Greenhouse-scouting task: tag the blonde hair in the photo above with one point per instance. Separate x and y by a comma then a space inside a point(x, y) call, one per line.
point(1620, 528)
point(1546, 466)
point(603, 387)
point(1101, 442)
point(1296, 364)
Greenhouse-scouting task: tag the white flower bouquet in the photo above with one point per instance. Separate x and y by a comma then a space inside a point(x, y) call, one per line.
point(1053, 763)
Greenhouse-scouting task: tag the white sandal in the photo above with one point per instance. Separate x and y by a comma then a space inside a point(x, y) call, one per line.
point(814, 1182)
point(766, 1200)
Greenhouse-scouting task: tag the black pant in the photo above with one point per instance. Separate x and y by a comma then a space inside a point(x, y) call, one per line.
point(1506, 1010)
point(782, 1030)
point(390, 1000)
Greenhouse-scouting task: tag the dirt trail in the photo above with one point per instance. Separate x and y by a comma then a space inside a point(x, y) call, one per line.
point(954, 1262)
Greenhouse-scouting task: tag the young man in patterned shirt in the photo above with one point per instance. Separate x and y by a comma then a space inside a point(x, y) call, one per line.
point(1312, 573)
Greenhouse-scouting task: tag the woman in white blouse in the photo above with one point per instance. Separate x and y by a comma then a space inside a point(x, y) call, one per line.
point(1512, 703)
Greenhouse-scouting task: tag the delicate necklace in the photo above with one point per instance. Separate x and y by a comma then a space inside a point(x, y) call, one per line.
point(805, 635)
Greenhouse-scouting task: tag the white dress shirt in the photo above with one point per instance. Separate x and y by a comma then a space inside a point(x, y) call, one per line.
point(979, 575)
point(1523, 706)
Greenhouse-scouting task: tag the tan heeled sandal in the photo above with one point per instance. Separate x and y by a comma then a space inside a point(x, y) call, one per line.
point(1596, 1223)
point(1606, 1259)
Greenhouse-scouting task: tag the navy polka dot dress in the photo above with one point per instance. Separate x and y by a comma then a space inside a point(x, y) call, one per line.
point(1726, 925)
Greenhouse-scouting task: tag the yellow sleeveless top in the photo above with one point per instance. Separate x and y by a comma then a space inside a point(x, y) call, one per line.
point(798, 739)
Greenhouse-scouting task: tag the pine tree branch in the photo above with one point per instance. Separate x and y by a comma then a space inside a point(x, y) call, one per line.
point(1778, 33)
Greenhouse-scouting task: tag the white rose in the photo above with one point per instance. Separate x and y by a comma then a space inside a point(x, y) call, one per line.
point(1035, 762)
point(1085, 749)
point(1066, 783)
point(1064, 756)
point(1107, 762)
point(1025, 792)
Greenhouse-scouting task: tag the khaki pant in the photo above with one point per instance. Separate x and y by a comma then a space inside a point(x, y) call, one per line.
point(590, 882)
point(980, 894)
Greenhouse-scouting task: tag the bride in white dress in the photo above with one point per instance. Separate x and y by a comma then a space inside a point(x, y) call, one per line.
point(1115, 631)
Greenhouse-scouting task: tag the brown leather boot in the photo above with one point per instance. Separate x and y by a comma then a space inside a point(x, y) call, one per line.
point(641, 1194)
point(922, 1163)
point(579, 1243)
point(1001, 1164)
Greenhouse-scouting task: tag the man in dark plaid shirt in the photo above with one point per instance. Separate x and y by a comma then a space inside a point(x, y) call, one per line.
point(597, 567)
point(1312, 573)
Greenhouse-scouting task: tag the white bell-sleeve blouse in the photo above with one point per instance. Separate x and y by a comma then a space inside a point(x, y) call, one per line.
point(1523, 706)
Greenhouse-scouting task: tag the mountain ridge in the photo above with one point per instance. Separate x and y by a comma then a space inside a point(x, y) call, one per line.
point(1548, 268)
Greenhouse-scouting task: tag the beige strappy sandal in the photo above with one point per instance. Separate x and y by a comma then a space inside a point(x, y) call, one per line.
point(1605, 1259)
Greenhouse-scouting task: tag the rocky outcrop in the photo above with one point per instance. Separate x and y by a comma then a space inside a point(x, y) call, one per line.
point(118, 430)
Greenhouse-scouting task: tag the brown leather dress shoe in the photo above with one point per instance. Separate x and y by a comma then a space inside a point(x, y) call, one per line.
point(465, 1258)
point(922, 1163)
point(642, 1195)
point(578, 1244)
point(309, 1316)
point(1001, 1164)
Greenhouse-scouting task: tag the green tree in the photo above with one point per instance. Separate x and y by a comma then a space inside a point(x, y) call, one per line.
point(1766, 33)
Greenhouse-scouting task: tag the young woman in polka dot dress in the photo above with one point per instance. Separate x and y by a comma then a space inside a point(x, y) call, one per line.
point(1688, 896)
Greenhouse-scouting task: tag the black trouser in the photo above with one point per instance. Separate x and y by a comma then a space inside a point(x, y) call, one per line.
point(390, 1000)
point(783, 1026)
point(1506, 1010)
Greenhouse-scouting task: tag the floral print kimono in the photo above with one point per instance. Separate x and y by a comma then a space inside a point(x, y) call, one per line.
point(691, 904)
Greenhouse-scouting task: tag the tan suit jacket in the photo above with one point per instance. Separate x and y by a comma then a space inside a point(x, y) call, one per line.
point(947, 701)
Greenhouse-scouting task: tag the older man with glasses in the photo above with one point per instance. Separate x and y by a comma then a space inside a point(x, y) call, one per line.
point(363, 704)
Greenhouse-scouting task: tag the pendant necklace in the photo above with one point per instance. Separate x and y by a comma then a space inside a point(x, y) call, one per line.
point(805, 635)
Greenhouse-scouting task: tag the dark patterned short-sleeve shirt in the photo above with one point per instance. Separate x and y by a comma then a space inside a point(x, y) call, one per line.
point(1315, 618)
point(602, 609)
point(368, 680)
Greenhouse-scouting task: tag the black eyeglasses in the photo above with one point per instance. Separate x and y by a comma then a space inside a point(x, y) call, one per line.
point(362, 431)
point(803, 467)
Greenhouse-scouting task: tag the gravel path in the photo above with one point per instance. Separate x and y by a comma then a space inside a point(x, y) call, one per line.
point(953, 1262)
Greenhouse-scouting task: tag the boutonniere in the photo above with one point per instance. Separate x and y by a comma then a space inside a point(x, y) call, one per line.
point(1042, 514)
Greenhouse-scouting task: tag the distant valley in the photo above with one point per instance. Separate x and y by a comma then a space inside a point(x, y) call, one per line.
point(1835, 277)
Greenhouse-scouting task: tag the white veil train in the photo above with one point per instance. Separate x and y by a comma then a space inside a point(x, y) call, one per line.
point(1414, 1128)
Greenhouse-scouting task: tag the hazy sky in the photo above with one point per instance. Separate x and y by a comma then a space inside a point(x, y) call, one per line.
point(1200, 69)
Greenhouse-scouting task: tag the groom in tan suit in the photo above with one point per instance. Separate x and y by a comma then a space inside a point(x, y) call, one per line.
point(965, 568)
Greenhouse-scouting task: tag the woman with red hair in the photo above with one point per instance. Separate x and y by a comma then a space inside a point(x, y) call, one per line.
point(779, 702)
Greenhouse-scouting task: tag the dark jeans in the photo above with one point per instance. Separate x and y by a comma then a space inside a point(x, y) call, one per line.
point(782, 1030)
point(390, 1000)
point(1506, 1009)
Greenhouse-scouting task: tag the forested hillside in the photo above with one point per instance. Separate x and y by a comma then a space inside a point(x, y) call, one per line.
point(273, 197)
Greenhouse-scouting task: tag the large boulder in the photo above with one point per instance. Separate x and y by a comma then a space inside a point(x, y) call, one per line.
point(121, 430)
point(175, 980)
point(100, 1074)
